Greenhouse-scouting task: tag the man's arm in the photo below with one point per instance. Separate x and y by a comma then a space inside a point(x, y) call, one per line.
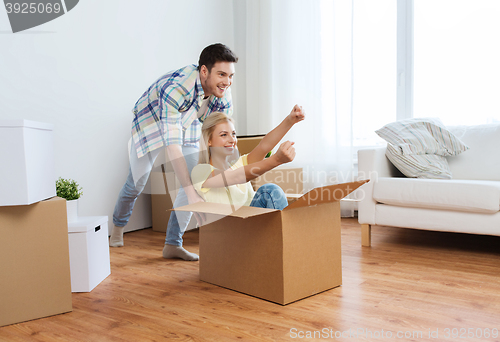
point(182, 173)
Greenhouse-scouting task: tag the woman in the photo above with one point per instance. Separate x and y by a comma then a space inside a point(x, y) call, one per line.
point(222, 176)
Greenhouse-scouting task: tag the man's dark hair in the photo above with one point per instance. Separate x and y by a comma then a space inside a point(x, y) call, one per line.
point(216, 53)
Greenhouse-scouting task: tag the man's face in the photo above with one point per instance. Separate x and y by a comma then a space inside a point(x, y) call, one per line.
point(216, 81)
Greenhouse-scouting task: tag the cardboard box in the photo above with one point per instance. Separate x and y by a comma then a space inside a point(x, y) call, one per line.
point(27, 170)
point(246, 143)
point(280, 256)
point(88, 252)
point(34, 261)
point(289, 179)
point(161, 198)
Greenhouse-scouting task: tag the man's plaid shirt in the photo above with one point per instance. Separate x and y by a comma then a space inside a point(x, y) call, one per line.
point(167, 113)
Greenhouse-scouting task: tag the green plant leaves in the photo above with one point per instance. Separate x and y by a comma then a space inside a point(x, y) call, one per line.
point(68, 189)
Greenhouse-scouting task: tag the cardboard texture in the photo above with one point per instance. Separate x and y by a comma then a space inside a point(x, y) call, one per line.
point(280, 256)
point(161, 198)
point(88, 252)
point(34, 261)
point(289, 179)
point(247, 143)
point(27, 170)
point(164, 189)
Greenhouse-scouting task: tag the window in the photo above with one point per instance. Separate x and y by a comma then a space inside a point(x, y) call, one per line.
point(456, 60)
point(387, 60)
point(374, 68)
point(359, 60)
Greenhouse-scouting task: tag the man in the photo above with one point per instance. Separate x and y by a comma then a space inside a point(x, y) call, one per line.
point(169, 114)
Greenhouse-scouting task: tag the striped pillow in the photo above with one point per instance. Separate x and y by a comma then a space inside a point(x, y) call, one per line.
point(430, 166)
point(417, 147)
point(421, 136)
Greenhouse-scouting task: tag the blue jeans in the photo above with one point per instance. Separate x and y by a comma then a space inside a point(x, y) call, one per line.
point(133, 188)
point(179, 220)
point(269, 196)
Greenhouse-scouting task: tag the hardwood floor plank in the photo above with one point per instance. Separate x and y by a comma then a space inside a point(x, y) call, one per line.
point(409, 281)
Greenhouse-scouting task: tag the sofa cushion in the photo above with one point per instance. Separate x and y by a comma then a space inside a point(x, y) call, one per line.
point(482, 161)
point(421, 136)
point(428, 166)
point(460, 195)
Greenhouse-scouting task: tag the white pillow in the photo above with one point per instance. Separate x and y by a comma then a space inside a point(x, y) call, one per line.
point(429, 166)
point(421, 136)
point(417, 147)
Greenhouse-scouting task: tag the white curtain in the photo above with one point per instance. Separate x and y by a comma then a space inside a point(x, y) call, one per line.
point(300, 52)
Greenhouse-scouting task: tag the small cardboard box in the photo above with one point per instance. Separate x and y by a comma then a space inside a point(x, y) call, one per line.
point(34, 261)
point(246, 143)
point(280, 256)
point(27, 170)
point(88, 252)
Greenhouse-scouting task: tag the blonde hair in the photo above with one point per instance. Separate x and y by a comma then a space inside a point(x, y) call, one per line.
point(206, 133)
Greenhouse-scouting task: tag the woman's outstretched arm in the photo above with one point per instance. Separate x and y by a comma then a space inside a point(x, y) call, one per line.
point(285, 154)
point(273, 138)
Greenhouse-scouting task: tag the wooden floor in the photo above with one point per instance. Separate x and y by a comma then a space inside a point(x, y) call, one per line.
point(410, 282)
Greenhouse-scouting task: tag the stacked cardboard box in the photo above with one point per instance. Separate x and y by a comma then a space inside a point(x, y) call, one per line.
point(27, 171)
point(34, 261)
point(34, 254)
point(88, 252)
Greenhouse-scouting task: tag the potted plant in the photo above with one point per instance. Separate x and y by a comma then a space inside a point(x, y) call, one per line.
point(71, 191)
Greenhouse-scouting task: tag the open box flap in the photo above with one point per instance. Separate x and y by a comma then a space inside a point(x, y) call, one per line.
point(325, 194)
point(224, 209)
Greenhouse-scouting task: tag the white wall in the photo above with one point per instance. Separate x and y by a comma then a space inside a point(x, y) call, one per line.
point(84, 71)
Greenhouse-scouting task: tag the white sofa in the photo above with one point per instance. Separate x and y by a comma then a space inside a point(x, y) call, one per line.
point(468, 203)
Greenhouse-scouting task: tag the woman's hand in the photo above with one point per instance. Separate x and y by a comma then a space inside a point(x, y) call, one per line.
point(297, 114)
point(285, 153)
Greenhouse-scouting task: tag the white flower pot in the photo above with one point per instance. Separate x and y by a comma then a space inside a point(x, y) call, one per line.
point(72, 209)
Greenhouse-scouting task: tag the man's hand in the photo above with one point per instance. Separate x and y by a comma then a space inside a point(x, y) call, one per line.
point(193, 197)
point(297, 114)
point(285, 153)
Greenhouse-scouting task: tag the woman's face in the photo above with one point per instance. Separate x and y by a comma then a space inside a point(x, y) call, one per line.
point(223, 139)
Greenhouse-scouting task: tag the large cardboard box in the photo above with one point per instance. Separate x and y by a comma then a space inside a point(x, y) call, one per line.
point(280, 256)
point(289, 179)
point(34, 261)
point(27, 169)
point(88, 252)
